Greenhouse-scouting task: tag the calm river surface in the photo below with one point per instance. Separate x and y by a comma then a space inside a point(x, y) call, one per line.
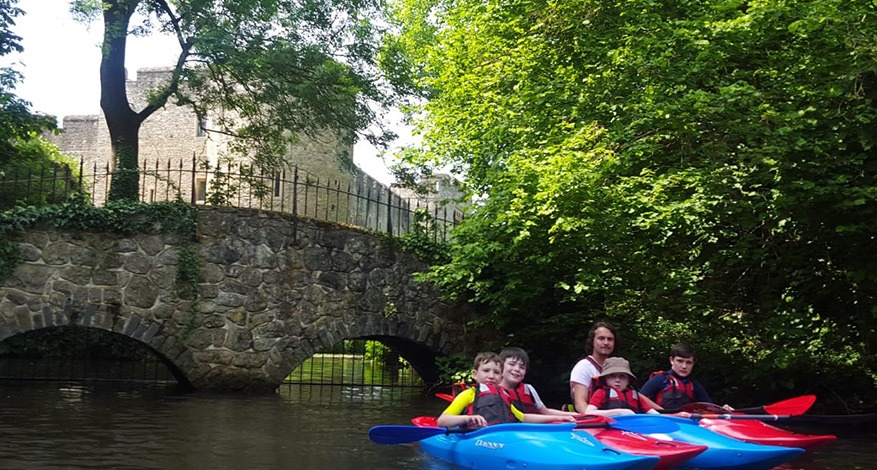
point(51, 425)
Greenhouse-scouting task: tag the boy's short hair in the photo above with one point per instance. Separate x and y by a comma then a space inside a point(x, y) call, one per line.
point(681, 350)
point(515, 353)
point(485, 357)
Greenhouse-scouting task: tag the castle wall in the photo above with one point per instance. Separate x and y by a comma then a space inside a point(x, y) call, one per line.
point(171, 136)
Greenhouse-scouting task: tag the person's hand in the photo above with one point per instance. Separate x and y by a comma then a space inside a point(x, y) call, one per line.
point(682, 414)
point(622, 412)
point(476, 421)
point(728, 407)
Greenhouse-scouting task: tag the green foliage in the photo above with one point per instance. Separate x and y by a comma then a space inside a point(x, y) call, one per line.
point(19, 145)
point(265, 72)
point(689, 169)
point(424, 239)
point(36, 174)
point(454, 368)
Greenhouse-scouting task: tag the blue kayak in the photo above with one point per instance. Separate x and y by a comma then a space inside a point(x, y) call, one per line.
point(724, 453)
point(531, 446)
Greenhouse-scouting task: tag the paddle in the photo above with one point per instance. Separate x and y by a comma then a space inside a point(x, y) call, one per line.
point(810, 419)
point(445, 396)
point(403, 434)
point(791, 406)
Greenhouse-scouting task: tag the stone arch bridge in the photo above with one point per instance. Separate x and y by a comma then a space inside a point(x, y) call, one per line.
point(273, 290)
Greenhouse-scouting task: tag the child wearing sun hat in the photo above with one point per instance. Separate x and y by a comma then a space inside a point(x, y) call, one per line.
point(616, 396)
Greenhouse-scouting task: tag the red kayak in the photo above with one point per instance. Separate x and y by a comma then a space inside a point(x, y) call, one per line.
point(671, 453)
point(758, 432)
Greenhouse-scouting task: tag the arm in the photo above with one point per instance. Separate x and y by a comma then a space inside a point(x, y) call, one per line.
point(544, 410)
point(448, 420)
point(580, 397)
point(455, 413)
point(538, 418)
point(700, 394)
point(546, 418)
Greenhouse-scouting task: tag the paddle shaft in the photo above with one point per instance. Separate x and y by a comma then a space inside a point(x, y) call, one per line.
point(824, 419)
point(403, 434)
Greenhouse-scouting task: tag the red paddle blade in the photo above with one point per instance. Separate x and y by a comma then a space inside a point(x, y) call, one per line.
point(445, 396)
point(791, 406)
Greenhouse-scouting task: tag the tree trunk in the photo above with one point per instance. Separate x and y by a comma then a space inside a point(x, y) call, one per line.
point(122, 122)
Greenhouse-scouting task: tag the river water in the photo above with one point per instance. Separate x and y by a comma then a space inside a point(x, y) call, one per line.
point(52, 425)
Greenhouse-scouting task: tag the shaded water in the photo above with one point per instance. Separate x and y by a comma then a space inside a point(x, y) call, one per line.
point(51, 425)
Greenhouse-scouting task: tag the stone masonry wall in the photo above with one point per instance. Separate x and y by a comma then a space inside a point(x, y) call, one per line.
point(274, 290)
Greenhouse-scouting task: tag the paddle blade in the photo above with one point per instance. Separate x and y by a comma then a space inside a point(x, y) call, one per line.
point(400, 434)
point(643, 424)
point(792, 406)
point(445, 396)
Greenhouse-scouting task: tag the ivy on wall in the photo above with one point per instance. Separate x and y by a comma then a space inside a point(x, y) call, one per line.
point(122, 216)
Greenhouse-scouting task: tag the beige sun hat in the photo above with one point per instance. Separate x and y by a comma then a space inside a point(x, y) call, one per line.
point(616, 365)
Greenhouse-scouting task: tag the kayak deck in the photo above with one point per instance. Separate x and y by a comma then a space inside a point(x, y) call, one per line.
point(725, 453)
point(672, 454)
point(542, 446)
point(759, 432)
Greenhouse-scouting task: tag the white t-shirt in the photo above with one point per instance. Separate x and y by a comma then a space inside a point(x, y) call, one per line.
point(582, 373)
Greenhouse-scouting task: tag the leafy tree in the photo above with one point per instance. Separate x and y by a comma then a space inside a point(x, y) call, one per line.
point(17, 123)
point(700, 170)
point(22, 151)
point(276, 68)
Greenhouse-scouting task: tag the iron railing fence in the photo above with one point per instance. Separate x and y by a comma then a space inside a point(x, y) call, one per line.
point(361, 201)
point(357, 362)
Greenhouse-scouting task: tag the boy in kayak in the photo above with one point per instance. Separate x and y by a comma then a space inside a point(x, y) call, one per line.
point(675, 388)
point(522, 396)
point(616, 396)
point(486, 403)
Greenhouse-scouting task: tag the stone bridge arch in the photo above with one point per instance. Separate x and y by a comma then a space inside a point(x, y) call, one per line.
point(273, 290)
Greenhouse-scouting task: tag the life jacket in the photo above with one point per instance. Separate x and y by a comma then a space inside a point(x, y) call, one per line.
point(595, 380)
point(492, 404)
point(675, 393)
point(628, 399)
point(521, 398)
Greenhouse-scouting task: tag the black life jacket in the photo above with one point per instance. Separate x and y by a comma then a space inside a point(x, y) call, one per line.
point(628, 399)
point(521, 398)
point(492, 404)
point(676, 393)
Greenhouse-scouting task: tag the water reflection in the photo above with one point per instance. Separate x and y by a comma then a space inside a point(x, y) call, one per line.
point(48, 425)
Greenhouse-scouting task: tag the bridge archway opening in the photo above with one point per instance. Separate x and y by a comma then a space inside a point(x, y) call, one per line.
point(79, 353)
point(370, 367)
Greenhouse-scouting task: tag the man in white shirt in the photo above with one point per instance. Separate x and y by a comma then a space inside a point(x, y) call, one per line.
point(599, 345)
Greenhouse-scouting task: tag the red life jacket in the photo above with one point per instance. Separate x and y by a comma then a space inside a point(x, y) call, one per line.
point(628, 399)
point(492, 404)
point(521, 398)
point(676, 393)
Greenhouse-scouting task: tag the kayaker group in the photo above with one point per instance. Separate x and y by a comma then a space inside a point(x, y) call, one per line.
point(599, 385)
